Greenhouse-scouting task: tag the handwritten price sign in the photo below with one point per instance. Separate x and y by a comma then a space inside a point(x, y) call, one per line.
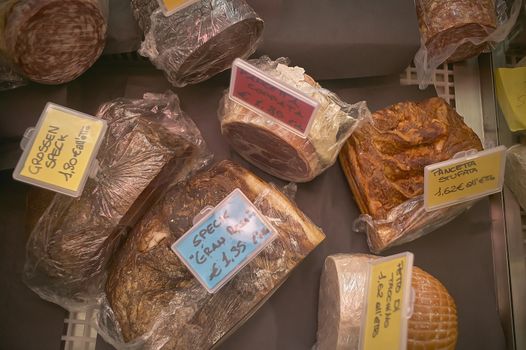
point(464, 179)
point(62, 150)
point(224, 241)
point(387, 300)
point(268, 97)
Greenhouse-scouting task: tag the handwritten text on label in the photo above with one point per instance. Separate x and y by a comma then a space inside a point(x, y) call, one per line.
point(387, 299)
point(61, 153)
point(224, 241)
point(456, 181)
point(268, 97)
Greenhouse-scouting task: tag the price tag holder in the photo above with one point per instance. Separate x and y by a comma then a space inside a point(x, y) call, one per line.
point(169, 7)
point(388, 303)
point(224, 240)
point(59, 153)
point(464, 178)
point(271, 98)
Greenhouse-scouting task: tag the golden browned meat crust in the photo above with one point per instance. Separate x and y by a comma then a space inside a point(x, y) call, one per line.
point(384, 159)
point(432, 326)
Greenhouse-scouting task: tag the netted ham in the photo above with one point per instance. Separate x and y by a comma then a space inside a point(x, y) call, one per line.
point(432, 326)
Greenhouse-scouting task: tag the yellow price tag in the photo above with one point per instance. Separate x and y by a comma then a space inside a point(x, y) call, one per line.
point(60, 156)
point(511, 94)
point(464, 179)
point(169, 7)
point(388, 303)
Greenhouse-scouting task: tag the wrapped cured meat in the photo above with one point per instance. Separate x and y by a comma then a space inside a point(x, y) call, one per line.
point(455, 30)
point(9, 78)
point(198, 41)
point(38, 199)
point(384, 161)
point(443, 22)
point(53, 41)
point(149, 142)
point(279, 151)
point(155, 300)
point(433, 324)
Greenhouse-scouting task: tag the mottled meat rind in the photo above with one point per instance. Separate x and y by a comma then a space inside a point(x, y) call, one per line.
point(384, 161)
point(387, 155)
point(432, 326)
point(199, 41)
point(148, 143)
point(150, 289)
point(446, 23)
point(54, 41)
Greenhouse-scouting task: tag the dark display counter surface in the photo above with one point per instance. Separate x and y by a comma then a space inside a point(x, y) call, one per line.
point(458, 254)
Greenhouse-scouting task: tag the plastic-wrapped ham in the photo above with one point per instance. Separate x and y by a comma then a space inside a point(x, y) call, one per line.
point(154, 300)
point(279, 151)
point(443, 22)
point(199, 41)
point(52, 41)
point(149, 142)
point(455, 30)
point(432, 326)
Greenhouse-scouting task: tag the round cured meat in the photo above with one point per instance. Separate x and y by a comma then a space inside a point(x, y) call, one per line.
point(54, 41)
point(276, 149)
point(446, 24)
point(199, 41)
point(272, 148)
point(432, 326)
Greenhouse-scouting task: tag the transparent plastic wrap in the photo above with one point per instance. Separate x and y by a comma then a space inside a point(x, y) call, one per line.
point(9, 78)
point(455, 30)
point(384, 161)
point(54, 41)
point(515, 170)
point(123, 33)
point(433, 324)
point(199, 41)
point(154, 301)
point(149, 143)
point(280, 151)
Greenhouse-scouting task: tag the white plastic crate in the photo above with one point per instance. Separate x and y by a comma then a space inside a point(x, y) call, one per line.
point(444, 81)
point(80, 331)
